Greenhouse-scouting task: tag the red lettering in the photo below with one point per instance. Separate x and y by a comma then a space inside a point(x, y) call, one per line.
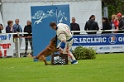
point(0, 53)
point(5, 53)
point(5, 46)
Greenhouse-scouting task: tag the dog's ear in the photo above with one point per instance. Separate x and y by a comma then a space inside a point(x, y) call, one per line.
point(54, 39)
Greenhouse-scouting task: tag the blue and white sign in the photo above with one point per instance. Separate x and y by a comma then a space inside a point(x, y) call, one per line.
point(101, 43)
point(111, 39)
point(63, 14)
point(41, 17)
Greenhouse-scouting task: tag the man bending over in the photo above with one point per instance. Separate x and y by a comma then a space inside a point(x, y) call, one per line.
point(64, 35)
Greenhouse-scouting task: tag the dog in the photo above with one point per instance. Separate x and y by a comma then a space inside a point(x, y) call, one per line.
point(49, 50)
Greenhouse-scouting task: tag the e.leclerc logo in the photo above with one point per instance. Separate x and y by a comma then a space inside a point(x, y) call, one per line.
point(112, 39)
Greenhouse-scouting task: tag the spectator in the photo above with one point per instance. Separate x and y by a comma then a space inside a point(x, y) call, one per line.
point(1, 28)
point(121, 22)
point(114, 23)
point(28, 37)
point(106, 25)
point(74, 26)
point(16, 26)
point(17, 29)
point(9, 28)
point(91, 25)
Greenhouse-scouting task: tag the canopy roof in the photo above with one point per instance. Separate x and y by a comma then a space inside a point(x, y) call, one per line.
point(26, 1)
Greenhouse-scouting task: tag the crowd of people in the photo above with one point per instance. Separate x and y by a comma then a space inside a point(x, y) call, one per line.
point(116, 23)
point(91, 27)
point(16, 28)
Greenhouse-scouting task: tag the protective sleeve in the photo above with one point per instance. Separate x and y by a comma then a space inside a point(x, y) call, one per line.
point(62, 37)
point(62, 45)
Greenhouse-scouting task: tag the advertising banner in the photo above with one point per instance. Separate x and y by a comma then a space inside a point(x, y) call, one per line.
point(42, 33)
point(101, 43)
point(41, 17)
point(6, 45)
point(63, 14)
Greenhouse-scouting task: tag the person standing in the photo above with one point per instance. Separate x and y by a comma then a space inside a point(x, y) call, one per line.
point(9, 27)
point(114, 22)
point(17, 29)
point(74, 26)
point(91, 25)
point(28, 37)
point(1, 28)
point(64, 35)
point(106, 25)
point(17, 26)
point(121, 23)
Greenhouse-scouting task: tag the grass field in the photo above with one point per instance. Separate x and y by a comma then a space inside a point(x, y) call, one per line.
point(105, 68)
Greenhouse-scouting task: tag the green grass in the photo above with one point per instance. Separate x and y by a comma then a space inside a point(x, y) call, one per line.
point(105, 68)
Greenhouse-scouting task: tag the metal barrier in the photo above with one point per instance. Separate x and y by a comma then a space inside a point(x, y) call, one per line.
point(98, 31)
point(22, 33)
point(19, 38)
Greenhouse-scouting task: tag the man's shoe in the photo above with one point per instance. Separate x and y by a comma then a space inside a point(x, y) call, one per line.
point(74, 62)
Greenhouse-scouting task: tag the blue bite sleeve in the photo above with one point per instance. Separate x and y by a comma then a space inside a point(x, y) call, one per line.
point(62, 45)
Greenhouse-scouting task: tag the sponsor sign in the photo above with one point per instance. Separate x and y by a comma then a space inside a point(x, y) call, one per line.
point(41, 17)
point(111, 39)
point(6, 45)
point(101, 43)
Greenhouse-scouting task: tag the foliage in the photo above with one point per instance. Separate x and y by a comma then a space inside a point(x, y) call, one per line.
point(84, 53)
point(114, 6)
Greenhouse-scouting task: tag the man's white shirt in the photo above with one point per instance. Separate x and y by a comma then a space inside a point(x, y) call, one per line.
point(63, 32)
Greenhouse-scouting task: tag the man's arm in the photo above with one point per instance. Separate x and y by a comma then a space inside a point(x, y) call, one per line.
point(61, 36)
point(8, 30)
point(86, 26)
point(14, 27)
point(20, 28)
point(121, 24)
point(78, 28)
point(71, 28)
point(25, 31)
point(97, 27)
point(30, 30)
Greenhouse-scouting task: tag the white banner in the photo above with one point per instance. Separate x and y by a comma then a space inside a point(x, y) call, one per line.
point(102, 43)
point(104, 49)
point(6, 45)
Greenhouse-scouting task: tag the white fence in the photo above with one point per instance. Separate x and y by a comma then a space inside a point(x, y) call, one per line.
point(7, 43)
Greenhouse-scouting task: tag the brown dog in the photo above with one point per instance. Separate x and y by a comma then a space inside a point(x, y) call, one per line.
point(50, 49)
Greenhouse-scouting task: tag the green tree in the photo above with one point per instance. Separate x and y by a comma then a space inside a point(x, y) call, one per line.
point(114, 6)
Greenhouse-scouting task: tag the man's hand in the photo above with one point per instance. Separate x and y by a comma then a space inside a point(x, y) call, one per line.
point(61, 47)
point(60, 50)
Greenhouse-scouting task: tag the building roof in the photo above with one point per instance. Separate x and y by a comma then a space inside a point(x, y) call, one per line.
point(26, 1)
